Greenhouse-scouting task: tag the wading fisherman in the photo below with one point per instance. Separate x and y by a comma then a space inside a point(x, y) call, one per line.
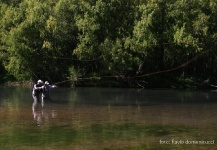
point(36, 91)
point(46, 91)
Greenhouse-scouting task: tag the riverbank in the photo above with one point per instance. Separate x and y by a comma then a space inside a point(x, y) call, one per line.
point(18, 83)
point(169, 82)
point(148, 82)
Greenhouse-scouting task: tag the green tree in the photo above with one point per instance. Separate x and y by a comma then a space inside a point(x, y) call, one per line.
point(61, 39)
point(24, 39)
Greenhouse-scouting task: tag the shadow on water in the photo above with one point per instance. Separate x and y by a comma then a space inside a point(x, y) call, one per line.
point(107, 118)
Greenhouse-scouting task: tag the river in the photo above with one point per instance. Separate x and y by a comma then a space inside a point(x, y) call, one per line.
point(109, 119)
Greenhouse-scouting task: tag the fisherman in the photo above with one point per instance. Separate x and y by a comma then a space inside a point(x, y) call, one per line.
point(36, 91)
point(46, 91)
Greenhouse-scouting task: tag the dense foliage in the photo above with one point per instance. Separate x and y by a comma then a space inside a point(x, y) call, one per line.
point(60, 40)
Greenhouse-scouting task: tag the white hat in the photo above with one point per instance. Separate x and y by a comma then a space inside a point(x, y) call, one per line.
point(40, 81)
point(46, 82)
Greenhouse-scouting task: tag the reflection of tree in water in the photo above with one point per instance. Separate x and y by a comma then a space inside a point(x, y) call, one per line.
point(41, 114)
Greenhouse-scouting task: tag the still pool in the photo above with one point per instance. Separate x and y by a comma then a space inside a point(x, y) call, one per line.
point(108, 119)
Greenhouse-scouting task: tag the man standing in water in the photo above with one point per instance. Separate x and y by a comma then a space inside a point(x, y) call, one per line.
point(46, 91)
point(36, 91)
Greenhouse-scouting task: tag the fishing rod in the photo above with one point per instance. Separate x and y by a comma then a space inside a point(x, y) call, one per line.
point(63, 81)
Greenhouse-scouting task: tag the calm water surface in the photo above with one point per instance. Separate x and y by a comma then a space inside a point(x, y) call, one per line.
point(108, 118)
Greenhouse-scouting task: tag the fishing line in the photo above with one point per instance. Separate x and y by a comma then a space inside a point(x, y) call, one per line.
point(168, 70)
point(152, 73)
point(138, 76)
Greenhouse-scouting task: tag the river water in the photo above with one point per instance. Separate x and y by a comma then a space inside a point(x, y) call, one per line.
point(108, 118)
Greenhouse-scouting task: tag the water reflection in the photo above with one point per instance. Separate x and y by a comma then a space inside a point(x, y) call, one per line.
point(41, 114)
